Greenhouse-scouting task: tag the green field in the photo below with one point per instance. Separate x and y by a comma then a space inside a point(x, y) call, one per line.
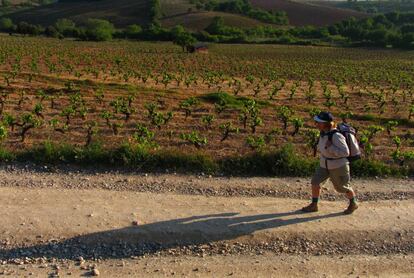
point(231, 103)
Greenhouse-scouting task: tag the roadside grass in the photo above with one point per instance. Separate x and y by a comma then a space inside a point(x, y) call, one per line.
point(280, 163)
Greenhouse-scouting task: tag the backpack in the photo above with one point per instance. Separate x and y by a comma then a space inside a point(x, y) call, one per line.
point(350, 136)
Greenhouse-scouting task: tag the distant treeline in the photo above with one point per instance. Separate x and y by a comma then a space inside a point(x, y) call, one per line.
point(100, 30)
point(375, 7)
point(391, 29)
point(385, 30)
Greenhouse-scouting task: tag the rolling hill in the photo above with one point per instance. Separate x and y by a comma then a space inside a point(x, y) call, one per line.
point(197, 21)
point(301, 14)
point(125, 12)
point(182, 12)
point(120, 12)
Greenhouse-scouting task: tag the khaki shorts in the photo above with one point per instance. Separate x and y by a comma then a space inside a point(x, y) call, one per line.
point(340, 178)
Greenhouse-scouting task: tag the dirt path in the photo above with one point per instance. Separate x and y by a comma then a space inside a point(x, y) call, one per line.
point(48, 227)
point(268, 265)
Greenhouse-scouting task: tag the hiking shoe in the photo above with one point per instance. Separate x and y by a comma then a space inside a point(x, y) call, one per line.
point(313, 207)
point(351, 208)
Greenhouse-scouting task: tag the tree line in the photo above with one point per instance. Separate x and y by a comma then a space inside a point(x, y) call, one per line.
point(394, 30)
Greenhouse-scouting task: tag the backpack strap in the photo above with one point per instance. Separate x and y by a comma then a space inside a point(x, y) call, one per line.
point(347, 137)
point(331, 133)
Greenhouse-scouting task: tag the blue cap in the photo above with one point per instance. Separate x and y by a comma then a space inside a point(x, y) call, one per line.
point(323, 117)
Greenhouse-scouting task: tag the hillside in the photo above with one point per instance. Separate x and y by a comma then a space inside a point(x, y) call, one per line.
point(16, 5)
point(301, 14)
point(197, 21)
point(182, 12)
point(126, 12)
point(121, 12)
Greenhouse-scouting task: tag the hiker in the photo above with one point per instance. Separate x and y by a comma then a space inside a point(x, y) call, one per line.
point(334, 163)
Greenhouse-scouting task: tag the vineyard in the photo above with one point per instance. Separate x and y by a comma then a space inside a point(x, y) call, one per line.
point(235, 101)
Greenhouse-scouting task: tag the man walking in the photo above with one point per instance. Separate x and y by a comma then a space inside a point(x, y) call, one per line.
point(334, 163)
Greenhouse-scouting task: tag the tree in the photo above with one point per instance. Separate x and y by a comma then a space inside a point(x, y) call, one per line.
point(182, 38)
point(6, 24)
point(52, 32)
point(5, 3)
point(133, 31)
point(29, 29)
point(407, 28)
point(378, 36)
point(407, 40)
point(65, 26)
point(155, 11)
point(99, 30)
point(217, 26)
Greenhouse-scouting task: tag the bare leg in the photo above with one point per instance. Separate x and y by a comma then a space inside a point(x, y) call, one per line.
point(350, 194)
point(316, 191)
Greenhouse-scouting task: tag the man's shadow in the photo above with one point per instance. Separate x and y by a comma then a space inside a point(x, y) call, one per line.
point(158, 236)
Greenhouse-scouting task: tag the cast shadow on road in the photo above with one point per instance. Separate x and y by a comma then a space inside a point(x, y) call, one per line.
point(158, 236)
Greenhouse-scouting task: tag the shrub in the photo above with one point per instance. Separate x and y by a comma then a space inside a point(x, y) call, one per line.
point(129, 154)
point(66, 27)
point(99, 30)
point(29, 29)
point(133, 31)
point(52, 32)
point(49, 152)
point(91, 154)
point(183, 162)
point(372, 168)
point(195, 139)
point(6, 156)
point(6, 24)
point(283, 162)
point(182, 38)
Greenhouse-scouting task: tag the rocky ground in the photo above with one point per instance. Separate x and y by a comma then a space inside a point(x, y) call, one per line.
point(71, 222)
